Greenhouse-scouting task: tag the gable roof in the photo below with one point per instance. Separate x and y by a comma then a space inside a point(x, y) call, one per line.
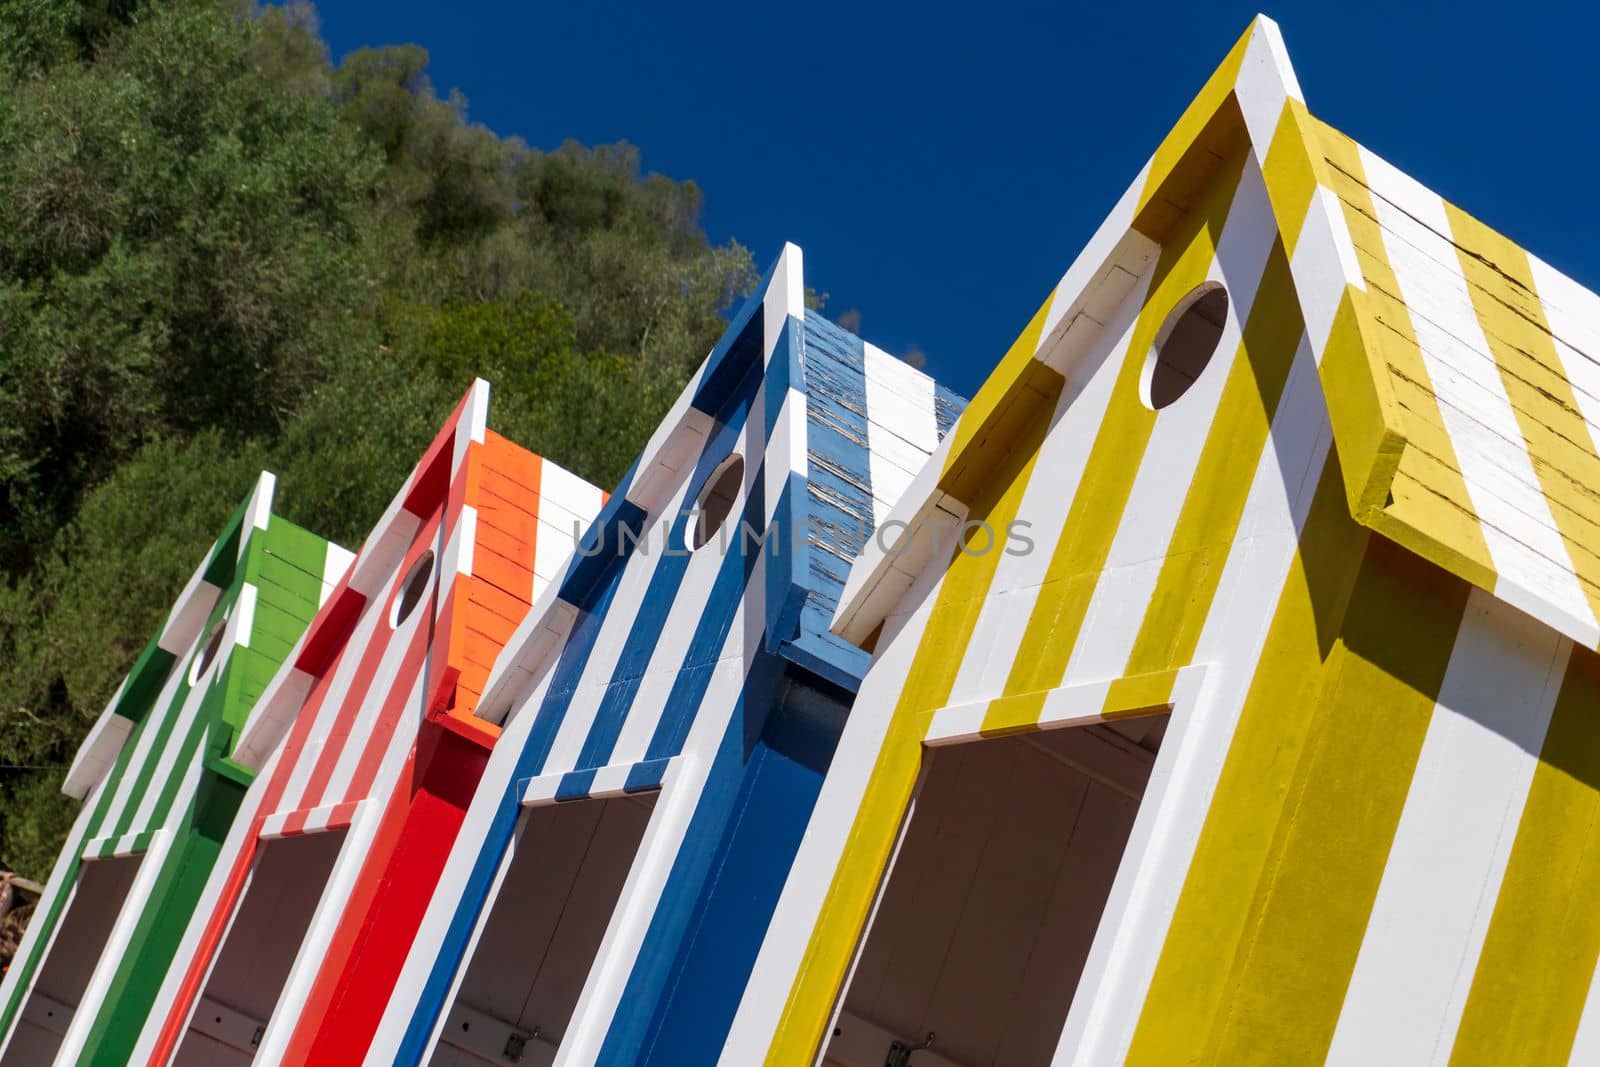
point(503, 520)
point(840, 427)
point(1460, 372)
point(257, 588)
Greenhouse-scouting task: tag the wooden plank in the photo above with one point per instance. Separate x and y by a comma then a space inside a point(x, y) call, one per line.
point(479, 1038)
point(1071, 918)
point(583, 924)
point(860, 1042)
point(996, 896)
point(973, 1006)
point(227, 1026)
point(933, 889)
point(48, 1014)
point(1099, 754)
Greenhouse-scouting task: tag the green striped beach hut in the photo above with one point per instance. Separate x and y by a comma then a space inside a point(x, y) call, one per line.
point(159, 789)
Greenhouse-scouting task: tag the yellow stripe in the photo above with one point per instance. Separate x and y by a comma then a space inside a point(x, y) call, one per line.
point(1544, 938)
point(940, 649)
point(1208, 525)
point(1430, 511)
point(1276, 900)
point(1290, 172)
point(1175, 157)
point(1500, 281)
point(1085, 538)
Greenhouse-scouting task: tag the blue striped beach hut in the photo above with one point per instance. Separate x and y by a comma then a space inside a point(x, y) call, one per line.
point(670, 707)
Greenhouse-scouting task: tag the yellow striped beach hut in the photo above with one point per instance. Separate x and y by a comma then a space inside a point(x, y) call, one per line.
point(1234, 695)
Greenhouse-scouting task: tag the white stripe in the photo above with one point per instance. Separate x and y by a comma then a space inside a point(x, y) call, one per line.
point(1445, 867)
point(784, 299)
point(242, 621)
point(1323, 264)
point(458, 550)
point(600, 669)
point(335, 562)
point(168, 765)
point(337, 691)
point(371, 703)
point(259, 510)
point(1265, 81)
point(1126, 586)
point(622, 614)
point(143, 748)
point(689, 605)
point(1573, 314)
point(1586, 1042)
point(1138, 913)
point(902, 428)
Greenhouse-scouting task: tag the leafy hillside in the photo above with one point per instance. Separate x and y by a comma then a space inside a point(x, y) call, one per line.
point(221, 253)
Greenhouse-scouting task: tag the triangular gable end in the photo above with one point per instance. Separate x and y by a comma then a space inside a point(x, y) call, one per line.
point(1388, 278)
point(239, 554)
point(507, 522)
point(845, 426)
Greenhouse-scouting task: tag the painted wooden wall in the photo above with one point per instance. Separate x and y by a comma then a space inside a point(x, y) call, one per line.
point(568, 866)
point(260, 950)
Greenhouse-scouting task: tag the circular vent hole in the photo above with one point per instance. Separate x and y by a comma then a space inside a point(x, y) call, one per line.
point(1186, 344)
point(717, 498)
point(412, 588)
point(208, 651)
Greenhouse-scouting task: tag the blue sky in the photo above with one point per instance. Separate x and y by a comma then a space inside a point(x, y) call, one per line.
point(941, 164)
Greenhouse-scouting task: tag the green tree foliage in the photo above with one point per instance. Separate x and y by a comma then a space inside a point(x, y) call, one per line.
point(221, 253)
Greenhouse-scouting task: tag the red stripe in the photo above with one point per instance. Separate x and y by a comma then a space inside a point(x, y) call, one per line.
point(378, 927)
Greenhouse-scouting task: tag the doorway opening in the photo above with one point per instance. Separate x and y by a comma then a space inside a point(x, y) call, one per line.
point(85, 928)
point(992, 903)
point(567, 870)
point(259, 950)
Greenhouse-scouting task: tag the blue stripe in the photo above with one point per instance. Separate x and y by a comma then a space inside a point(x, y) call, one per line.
point(575, 785)
point(703, 939)
point(687, 697)
point(786, 561)
point(646, 775)
point(612, 536)
point(664, 587)
point(740, 346)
